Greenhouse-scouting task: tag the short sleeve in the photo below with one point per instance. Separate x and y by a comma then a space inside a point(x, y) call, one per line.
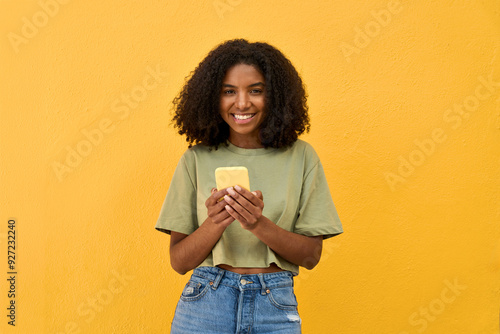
point(178, 212)
point(317, 213)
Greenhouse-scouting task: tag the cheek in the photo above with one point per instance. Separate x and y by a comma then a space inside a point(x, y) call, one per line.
point(222, 108)
point(224, 116)
point(260, 104)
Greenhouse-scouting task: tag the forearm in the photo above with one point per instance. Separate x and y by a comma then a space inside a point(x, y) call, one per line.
point(189, 252)
point(296, 248)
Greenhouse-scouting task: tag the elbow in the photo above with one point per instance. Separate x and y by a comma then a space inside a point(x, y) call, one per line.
point(182, 272)
point(314, 254)
point(177, 265)
point(310, 263)
point(179, 268)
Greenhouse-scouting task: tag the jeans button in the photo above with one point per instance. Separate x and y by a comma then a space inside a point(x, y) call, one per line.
point(243, 281)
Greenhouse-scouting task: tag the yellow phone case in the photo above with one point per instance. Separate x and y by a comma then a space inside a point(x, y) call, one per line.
point(226, 177)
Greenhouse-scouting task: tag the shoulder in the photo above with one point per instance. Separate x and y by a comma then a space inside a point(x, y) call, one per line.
point(200, 152)
point(306, 150)
point(195, 150)
point(303, 145)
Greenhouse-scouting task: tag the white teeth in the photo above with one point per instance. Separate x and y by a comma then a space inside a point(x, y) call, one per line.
point(243, 116)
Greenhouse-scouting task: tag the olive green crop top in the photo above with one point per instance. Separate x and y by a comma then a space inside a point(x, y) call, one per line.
point(293, 184)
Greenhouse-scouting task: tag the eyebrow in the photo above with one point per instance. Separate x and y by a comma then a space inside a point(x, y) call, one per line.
point(252, 85)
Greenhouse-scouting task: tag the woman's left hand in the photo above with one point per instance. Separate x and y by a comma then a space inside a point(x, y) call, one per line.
point(245, 206)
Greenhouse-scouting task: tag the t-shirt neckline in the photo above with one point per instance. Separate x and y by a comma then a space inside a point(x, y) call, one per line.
point(249, 151)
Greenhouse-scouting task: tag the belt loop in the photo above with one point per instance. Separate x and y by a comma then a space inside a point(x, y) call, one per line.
point(218, 278)
point(290, 274)
point(262, 283)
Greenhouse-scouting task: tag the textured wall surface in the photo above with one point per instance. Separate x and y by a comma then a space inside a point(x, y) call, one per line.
point(405, 107)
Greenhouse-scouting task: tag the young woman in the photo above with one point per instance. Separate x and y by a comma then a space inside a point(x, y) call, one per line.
point(244, 105)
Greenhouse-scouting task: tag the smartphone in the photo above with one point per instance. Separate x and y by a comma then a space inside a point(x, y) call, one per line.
point(226, 177)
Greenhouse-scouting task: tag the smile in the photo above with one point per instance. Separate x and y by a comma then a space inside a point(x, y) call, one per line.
point(241, 119)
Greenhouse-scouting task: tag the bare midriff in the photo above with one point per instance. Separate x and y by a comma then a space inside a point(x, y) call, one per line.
point(248, 271)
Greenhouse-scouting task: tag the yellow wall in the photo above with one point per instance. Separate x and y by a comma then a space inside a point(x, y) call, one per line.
point(403, 118)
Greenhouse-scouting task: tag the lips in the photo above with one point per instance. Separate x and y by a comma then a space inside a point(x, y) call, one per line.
point(242, 118)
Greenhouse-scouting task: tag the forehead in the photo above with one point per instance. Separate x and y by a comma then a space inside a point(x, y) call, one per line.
point(243, 73)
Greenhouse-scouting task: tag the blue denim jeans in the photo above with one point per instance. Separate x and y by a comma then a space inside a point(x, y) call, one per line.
point(218, 301)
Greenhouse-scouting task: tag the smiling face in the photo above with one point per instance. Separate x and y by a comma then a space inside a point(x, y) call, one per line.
point(242, 105)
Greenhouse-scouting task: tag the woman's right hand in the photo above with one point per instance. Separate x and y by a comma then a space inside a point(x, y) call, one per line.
point(216, 210)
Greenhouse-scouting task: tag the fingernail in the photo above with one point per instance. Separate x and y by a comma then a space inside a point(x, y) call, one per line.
point(227, 198)
point(231, 191)
point(237, 188)
point(255, 193)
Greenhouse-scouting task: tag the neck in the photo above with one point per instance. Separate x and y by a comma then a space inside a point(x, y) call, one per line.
point(245, 142)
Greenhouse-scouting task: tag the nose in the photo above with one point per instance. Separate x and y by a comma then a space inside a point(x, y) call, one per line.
point(242, 102)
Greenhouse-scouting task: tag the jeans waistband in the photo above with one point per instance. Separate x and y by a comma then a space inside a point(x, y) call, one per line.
point(262, 281)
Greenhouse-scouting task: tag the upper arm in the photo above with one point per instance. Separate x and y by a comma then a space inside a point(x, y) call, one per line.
point(318, 238)
point(317, 214)
point(175, 237)
point(178, 211)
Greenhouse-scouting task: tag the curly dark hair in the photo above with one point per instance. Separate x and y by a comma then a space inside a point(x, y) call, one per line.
point(197, 105)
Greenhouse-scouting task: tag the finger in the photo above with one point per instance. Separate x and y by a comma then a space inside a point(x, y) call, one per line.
point(222, 217)
point(214, 197)
point(254, 210)
point(255, 200)
point(213, 190)
point(258, 193)
point(217, 195)
point(234, 214)
point(228, 220)
point(247, 216)
point(239, 197)
point(216, 207)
